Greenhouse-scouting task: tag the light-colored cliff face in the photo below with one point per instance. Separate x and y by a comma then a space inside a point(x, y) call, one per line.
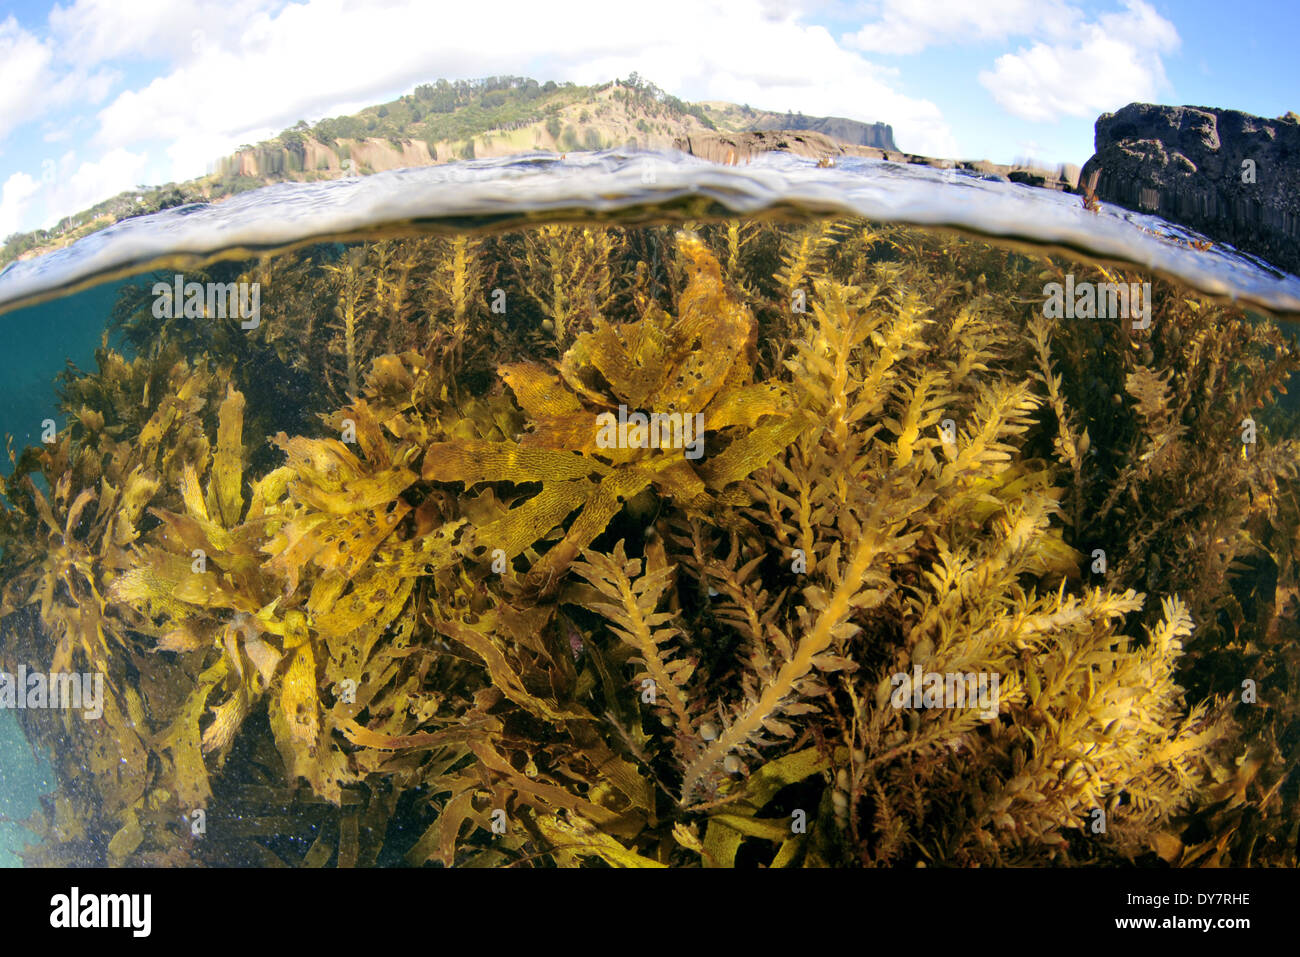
point(373, 154)
point(601, 122)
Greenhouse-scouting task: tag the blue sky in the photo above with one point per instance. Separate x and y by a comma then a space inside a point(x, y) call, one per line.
point(97, 96)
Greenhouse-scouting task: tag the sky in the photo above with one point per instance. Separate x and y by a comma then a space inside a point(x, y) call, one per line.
point(101, 96)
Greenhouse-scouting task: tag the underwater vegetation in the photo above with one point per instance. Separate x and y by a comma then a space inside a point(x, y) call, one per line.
point(368, 584)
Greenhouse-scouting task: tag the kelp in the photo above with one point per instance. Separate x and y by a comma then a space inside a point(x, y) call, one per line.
point(698, 364)
point(448, 606)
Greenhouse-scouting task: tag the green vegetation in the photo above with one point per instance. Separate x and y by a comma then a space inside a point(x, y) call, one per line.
point(445, 111)
point(139, 202)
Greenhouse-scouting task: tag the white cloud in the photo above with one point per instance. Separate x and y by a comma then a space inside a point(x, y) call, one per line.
point(1074, 66)
point(14, 199)
point(236, 71)
point(323, 57)
point(93, 31)
point(92, 181)
point(32, 82)
point(25, 75)
point(909, 26)
point(66, 187)
point(1112, 62)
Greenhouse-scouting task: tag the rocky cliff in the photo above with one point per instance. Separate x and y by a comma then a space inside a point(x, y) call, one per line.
point(853, 132)
point(734, 148)
point(742, 147)
point(1232, 176)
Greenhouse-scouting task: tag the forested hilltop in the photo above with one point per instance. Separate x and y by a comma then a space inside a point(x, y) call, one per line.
point(444, 121)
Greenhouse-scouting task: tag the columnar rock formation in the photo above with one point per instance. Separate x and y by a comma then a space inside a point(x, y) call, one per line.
point(1230, 175)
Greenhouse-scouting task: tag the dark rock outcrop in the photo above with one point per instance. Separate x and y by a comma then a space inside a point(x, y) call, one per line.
point(1027, 178)
point(1229, 175)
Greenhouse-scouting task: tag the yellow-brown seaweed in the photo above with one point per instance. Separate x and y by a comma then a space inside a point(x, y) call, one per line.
point(426, 590)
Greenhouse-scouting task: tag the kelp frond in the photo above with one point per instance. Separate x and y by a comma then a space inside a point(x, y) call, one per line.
point(795, 545)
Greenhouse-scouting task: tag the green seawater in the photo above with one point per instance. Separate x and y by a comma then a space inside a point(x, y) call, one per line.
point(32, 351)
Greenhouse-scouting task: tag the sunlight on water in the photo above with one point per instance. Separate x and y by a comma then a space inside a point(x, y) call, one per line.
point(631, 186)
